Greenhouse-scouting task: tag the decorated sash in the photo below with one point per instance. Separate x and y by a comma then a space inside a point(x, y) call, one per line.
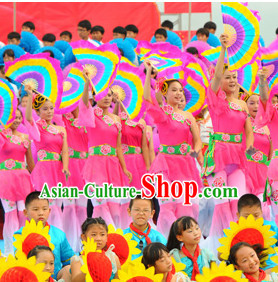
point(48, 156)
point(11, 164)
point(131, 149)
point(181, 149)
point(77, 154)
point(102, 150)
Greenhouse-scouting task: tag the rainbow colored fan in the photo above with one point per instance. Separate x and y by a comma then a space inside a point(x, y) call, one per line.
point(129, 85)
point(73, 87)
point(243, 29)
point(102, 63)
point(8, 104)
point(212, 55)
point(41, 72)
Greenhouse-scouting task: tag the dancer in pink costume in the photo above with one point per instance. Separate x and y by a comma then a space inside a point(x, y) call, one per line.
point(52, 151)
point(75, 210)
point(179, 137)
point(136, 155)
point(225, 160)
point(257, 164)
point(106, 162)
point(268, 115)
point(15, 178)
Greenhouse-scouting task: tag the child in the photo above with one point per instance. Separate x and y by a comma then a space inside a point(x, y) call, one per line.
point(28, 26)
point(187, 231)
point(251, 204)
point(119, 32)
point(168, 25)
point(44, 255)
point(202, 34)
point(14, 38)
point(247, 259)
point(97, 33)
point(160, 35)
point(97, 229)
point(131, 31)
point(84, 30)
point(39, 210)
point(157, 255)
point(66, 36)
point(49, 39)
point(141, 211)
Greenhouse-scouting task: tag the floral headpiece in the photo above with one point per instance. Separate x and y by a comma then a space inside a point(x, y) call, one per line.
point(38, 101)
point(162, 85)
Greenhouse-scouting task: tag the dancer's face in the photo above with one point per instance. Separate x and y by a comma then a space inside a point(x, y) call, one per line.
point(46, 111)
point(174, 93)
point(106, 101)
point(247, 260)
point(229, 82)
point(182, 103)
point(253, 105)
point(17, 121)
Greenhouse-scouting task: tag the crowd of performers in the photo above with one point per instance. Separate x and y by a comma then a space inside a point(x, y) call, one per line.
point(99, 143)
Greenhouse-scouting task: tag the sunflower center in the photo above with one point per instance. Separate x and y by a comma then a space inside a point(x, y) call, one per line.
point(19, 273)
point(139, 279)
point(33, 240)
point(223, 278)
point(248, 235)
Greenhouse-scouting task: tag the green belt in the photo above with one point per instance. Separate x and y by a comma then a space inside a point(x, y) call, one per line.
point(209, 163)
point(181, 149)
point(11, 164)
point(259, 157)
point(78, 154)
point(275, 154)
point(102, 150)
point(48, 156)
point(131, 149)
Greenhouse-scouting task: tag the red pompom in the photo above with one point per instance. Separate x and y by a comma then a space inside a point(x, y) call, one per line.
point(18, 274)
point(121, 246)
point(33, 240)
point(99, 266)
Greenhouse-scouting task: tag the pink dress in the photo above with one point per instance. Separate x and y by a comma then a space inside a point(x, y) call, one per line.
point(132, 134)
point(78, 149)
point(49, 143)
point(15, 178)
point(227, 119)
point(256, 173)
point(176, 139)
point(102, 165)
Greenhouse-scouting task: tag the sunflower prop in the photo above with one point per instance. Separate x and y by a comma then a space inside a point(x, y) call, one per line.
point(221, 273)
point(101, 62)
point(136, 272)
point(275, 259)
point(21, 269)
point(97, 265)
point(243, 30)
point(247, 230)
point(32, 235)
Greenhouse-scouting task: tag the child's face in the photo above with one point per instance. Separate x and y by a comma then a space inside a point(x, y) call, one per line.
point(141, 212)
point(47, 43)
point(247, 260)
point(98, 233)
point(202, 37)
point(83, 33)
point(46, 111)
point(38, 210)
point(8, 58)
point(13, 41)
point(47, 258)
point(118, 35)
point(26, 28)
point(164, 264)
point(131, 34)
point(256, 211)
point(97, 35)
point(160, 38)
point(65, 38)
point(192, 235)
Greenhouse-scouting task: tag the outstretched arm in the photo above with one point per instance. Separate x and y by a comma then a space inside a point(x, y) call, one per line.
point(263, 85)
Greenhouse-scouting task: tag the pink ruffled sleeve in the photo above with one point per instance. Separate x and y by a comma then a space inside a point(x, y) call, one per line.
point(58, 120)
point(155, 111)
point(217, 101)
point(86, 115)
point(2, 141)
point(33, 130)
point(264, 114)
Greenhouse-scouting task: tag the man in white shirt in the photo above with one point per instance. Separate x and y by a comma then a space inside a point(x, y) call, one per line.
point(84, 29)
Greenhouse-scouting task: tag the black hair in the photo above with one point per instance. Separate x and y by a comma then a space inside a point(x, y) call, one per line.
point(85, 24)
point(37, 250)
point(29, 24)
point(18, 109)
point(276, 95)
point(192, 50)
point(91, 221)
point(177, 228)
point(49, 37)
point(277, 30)
point(203, 31)
point(138, 197)
point(120, 29)
point(132, 27)
point(9, 53)
point(210, 25)
point(152, 253)
point(97, 28)
point(50, 53)
point(248, 200)
point(66, 33)
point(13, 35)
point(168, 24)
point(33, 196)
point(2, 69)
point(161, 31)
point(257, 248)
